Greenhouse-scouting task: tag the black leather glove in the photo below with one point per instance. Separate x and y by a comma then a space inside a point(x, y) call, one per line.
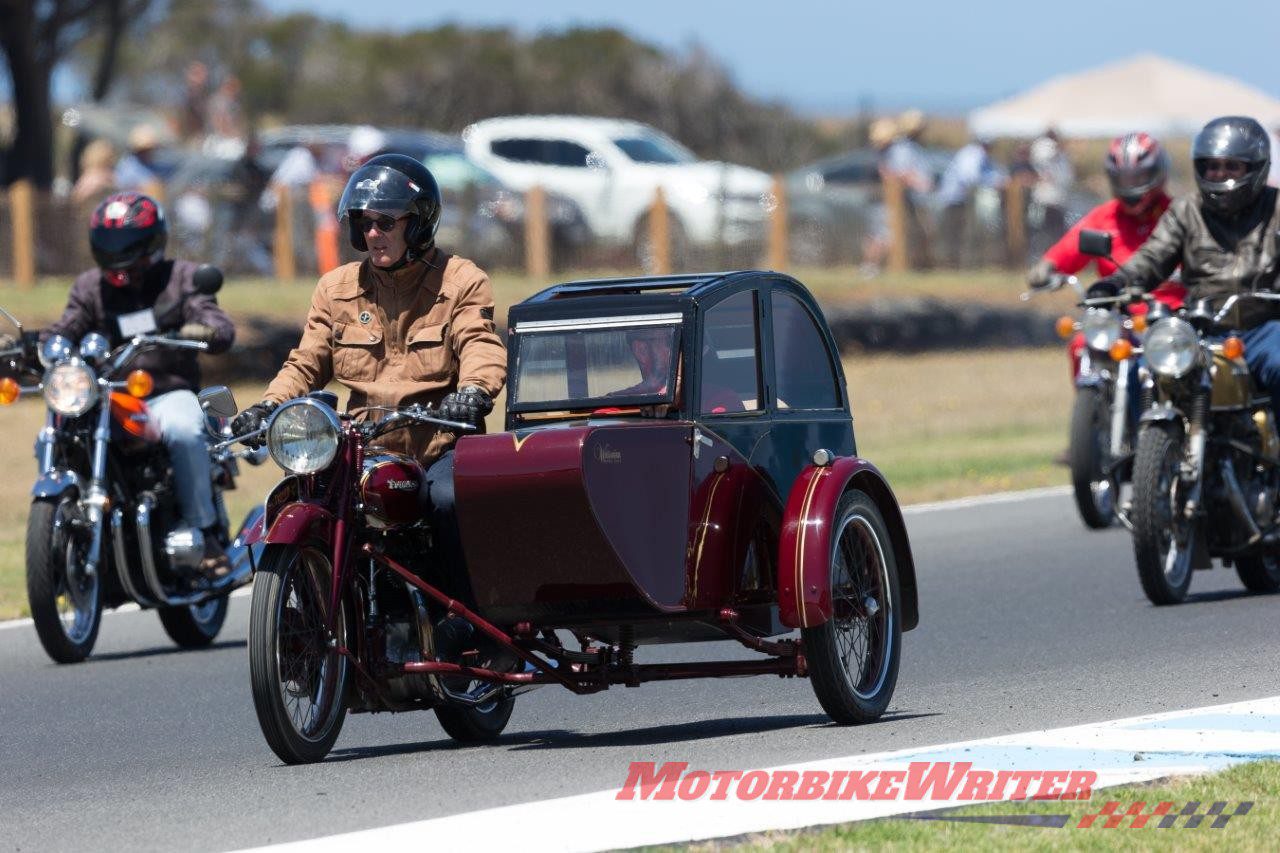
point(1041, 275)
point(467, 405)
point(253, 419)
point(197, 332)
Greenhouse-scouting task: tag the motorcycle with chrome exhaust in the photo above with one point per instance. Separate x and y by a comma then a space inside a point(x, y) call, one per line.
point(1207, 465)
point(102, 530)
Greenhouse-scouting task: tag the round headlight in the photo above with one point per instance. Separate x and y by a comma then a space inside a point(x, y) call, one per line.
point(94, 346)
point(1101, 328)
point(303, 436)
point(70, 388)
point(1171, 347)
point(54, 350)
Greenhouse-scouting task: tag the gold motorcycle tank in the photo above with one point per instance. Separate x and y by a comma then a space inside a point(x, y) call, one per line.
point(1232, 387)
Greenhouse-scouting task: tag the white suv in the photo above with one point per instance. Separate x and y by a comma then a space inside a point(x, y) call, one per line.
point(612, 167)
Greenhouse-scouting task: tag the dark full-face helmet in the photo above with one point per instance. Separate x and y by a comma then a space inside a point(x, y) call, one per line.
point(393, 185)
point(1241, 141)
point(127, 233)
point(1137, 167)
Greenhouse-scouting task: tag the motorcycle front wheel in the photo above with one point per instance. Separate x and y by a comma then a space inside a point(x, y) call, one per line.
point(298, 679)
point(1095, 491)
point(66, 604)
point(1163, 539)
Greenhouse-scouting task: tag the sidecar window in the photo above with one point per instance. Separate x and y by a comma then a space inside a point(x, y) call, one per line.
point(596, 363)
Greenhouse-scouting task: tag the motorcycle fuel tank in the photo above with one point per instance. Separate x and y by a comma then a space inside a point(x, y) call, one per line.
point(389, 490)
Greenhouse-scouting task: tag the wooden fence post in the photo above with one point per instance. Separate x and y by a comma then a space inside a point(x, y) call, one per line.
point(22, 204)
point(285, 263)
point(326, 231)
point(895, 205)
point(779, 232)
point(660, 234)
point(1015, 223)
point(537, 234)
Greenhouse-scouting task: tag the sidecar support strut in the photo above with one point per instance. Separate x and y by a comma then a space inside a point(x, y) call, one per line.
point(585, 678)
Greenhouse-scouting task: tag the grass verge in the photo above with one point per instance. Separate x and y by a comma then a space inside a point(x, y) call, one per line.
point(1256, 782)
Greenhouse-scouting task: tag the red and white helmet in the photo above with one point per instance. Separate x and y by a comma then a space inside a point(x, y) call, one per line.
point(127, 233)
point(1137, 165)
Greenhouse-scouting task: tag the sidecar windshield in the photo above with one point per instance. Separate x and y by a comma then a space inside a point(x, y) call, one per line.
point(596, 362)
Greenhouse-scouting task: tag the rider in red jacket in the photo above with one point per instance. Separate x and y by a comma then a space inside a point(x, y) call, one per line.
point(1137, 167)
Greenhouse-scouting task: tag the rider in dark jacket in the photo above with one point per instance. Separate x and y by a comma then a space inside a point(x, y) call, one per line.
point(136, 290)
point(1226, 236)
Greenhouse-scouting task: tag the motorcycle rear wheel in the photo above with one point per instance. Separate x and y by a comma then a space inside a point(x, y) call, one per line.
point(196, 626)
point(67, 611)
point(299, 682)
point(1163, 569)
point(478, 724)
point(1260, 573)
point(1095, 492)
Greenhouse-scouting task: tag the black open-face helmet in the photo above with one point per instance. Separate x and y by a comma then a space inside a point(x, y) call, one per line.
point(127, 233)
point(394, 185)
point(1232, 138)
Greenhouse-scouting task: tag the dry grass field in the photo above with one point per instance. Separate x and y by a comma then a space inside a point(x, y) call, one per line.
point(939, 425)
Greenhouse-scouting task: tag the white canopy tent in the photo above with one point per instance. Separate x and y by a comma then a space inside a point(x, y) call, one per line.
point(1146, 92)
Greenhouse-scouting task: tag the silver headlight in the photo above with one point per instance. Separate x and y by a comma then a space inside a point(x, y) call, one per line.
point(55, 349)
point(70, 388)
point(1171, 347)
point(1101, 328)
point(304, 436)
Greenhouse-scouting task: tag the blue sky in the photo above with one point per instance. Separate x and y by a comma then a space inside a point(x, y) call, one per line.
point(943, 54)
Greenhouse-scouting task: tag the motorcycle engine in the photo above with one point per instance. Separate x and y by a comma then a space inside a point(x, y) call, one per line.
point(184, 546)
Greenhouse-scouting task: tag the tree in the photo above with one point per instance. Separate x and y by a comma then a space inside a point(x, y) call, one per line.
point(36, 36)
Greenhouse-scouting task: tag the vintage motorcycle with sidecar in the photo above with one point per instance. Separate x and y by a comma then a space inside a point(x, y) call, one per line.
point(101, 531)
point(678, 465)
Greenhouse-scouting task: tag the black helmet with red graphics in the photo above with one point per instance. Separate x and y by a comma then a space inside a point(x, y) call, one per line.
point(127, 233)
point(1137, 167)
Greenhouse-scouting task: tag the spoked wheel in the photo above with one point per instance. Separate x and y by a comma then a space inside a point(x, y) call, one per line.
point(1096, 491)
point(1259, 573)
point(66, 604)
point(853, 656)
point(196, 626)
point(1163, 538)
point(299, 681)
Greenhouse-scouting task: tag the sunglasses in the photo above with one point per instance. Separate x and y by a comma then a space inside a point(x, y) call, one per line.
point(385, 224)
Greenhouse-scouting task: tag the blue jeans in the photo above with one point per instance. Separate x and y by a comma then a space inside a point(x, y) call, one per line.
point(181, 423)
point(1262, 354)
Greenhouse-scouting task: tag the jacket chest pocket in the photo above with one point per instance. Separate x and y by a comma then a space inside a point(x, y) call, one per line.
point(1208, 259)
point(357, 351)
point(428, 356)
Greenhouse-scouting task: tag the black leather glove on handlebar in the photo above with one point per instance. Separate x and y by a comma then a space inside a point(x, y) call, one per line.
point(1041, 275)
point(467, 405)
point(197, 332)
point(253, 419)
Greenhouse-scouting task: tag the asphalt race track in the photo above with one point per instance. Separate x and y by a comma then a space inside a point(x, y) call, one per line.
point(1028, 622)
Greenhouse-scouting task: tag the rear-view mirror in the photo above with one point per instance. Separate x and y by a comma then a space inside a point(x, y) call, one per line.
point(218, 401)
point(1095, 243)
point(207, 279)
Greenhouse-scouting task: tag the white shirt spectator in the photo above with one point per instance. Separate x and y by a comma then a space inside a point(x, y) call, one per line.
point(1053, 170)
point(971, 167)
point(297, 169)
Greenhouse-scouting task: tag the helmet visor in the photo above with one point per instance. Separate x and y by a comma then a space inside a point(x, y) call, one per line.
point(379, 189)
point(117, 248)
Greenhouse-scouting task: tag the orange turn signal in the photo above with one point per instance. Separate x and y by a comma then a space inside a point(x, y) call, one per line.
point(139, 383)
point(1065, 327)
point(1139, 323)
point(1233, 347)
point(1121, 350)
point(9, 391)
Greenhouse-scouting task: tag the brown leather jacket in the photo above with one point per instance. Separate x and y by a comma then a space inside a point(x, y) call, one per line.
point(409, 336)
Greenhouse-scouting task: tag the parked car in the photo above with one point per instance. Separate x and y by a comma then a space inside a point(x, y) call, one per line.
point(613, 167)
point(482, 216)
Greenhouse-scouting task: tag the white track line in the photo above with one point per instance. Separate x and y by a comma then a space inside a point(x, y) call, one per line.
point(1135, 749)
point(123, 608)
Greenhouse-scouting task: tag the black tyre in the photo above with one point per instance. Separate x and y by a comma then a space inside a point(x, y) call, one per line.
point(66, 605)
point(196, 626)
point(299, 682)
point(853, 657)
point(1259, 573)
point(1163, 539)
point(478, 724)
point(1095, 491)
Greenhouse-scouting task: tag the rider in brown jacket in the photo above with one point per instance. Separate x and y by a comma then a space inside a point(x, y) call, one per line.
point(408, 324)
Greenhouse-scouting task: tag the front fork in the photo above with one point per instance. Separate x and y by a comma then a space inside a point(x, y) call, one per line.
point(1120, 409)
point(94, 505)
point(1192, 470)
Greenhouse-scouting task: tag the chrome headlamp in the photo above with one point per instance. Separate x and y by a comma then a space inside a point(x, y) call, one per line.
point(303, 436)
point(1171, 347)
point(1101, 328)
point(57, 348)
point(70, 388)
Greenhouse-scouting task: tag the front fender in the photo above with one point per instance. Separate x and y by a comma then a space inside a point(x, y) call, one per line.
point(1161, 413)
point(804, 581)
point(300, 522)
point(54, 482)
